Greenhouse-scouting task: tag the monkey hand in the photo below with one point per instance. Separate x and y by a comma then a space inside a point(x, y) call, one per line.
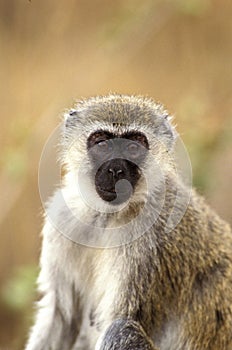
point(124, 334)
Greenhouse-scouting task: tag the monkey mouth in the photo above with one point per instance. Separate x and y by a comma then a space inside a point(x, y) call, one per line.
point(106, 194)
point(116, 195)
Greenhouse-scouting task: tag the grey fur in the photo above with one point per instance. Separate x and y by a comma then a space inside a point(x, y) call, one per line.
point(164, 289)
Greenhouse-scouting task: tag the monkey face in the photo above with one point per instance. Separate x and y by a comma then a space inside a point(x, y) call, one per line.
point(116, 163)
point(115, 148)
point(117, 153)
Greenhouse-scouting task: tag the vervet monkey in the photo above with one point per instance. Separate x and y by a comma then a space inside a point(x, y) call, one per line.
point(131, 257)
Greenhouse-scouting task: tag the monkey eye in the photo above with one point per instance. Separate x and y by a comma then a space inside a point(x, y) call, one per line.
point(102, 148)
point(134, 150)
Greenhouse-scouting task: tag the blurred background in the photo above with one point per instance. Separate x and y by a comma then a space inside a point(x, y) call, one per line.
point(52, 52)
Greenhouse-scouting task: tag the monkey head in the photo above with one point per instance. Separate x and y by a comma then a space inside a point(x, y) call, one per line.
point(117, 143)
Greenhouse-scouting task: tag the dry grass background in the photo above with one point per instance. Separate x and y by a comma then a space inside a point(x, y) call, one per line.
point(52, 52)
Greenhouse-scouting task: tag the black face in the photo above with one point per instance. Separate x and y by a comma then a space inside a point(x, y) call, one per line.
point(116, 162)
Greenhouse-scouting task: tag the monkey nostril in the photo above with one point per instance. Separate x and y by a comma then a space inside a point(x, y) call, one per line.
point(115, 172)
point(111, 171)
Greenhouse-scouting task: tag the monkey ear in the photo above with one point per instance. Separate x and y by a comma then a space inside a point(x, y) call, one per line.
point(70, 118)
point(168, 133)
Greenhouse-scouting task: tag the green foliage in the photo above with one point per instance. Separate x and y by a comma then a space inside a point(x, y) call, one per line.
point(19, 290)
point(193, 7)
point(14, 162)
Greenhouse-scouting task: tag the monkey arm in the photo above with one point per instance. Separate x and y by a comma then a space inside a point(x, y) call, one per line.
point(56, 326)
point(49, 330)
point(125, 334)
